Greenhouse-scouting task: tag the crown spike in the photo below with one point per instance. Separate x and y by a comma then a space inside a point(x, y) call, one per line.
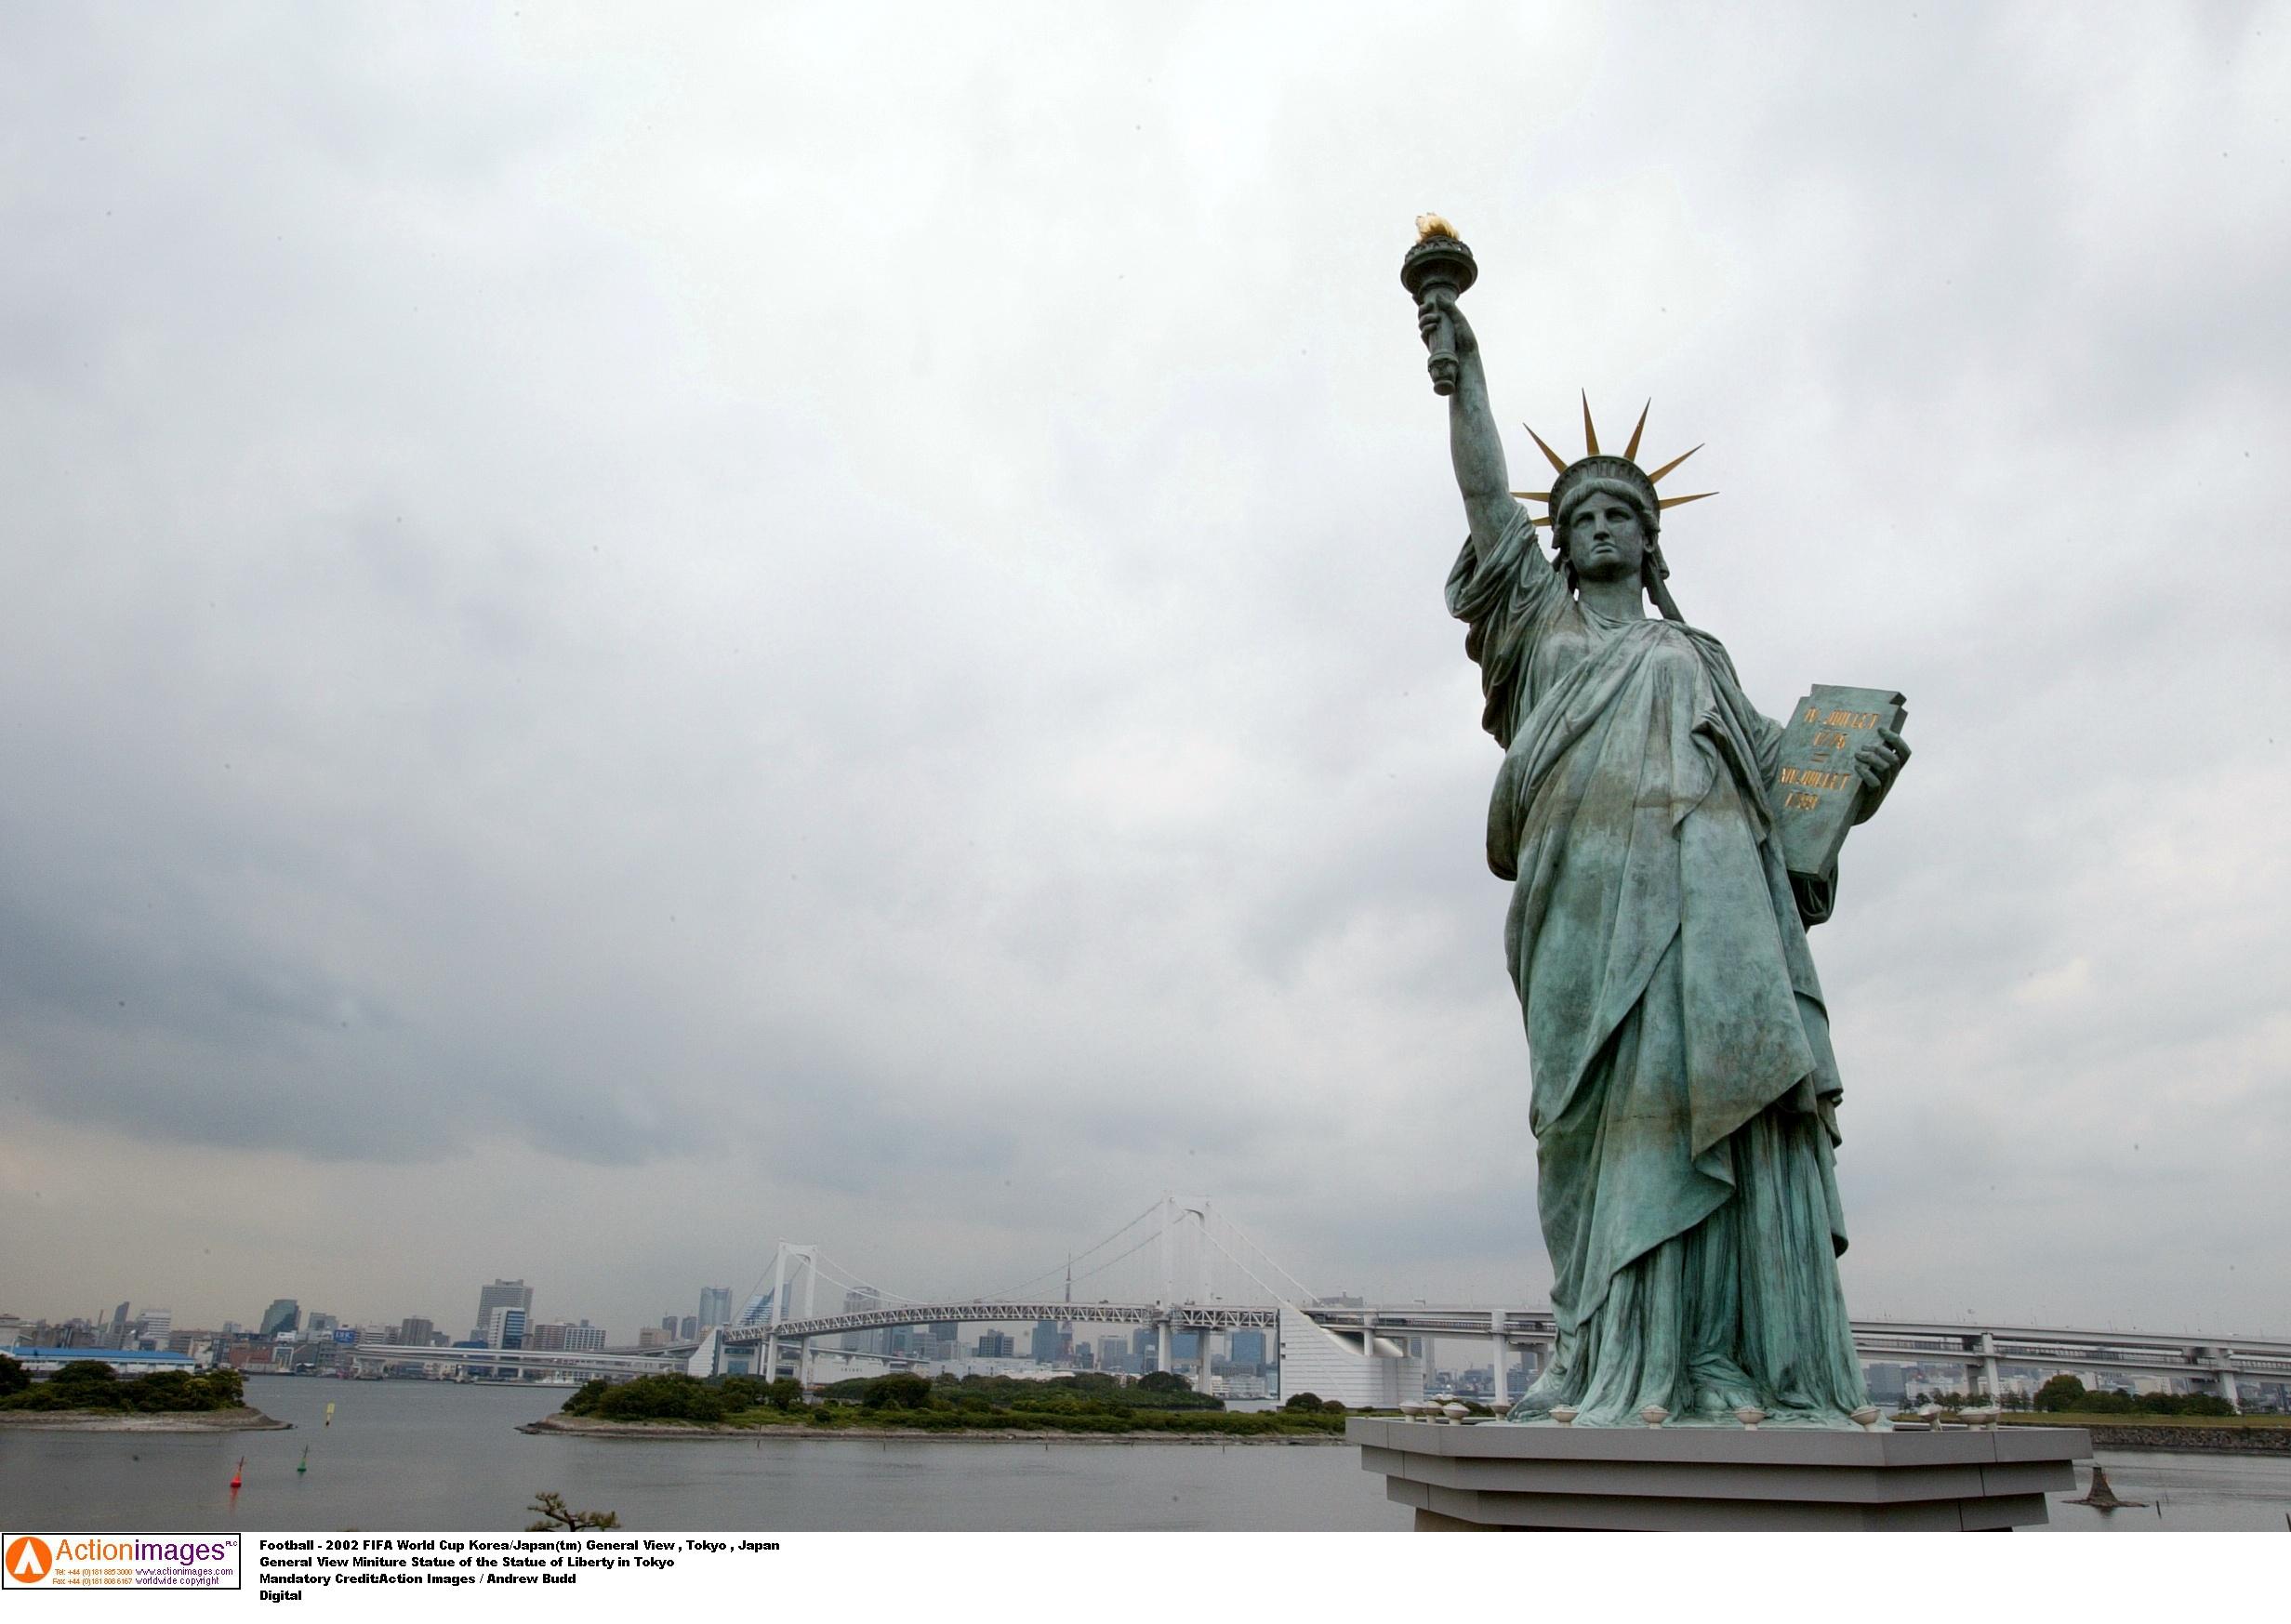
point(1680, 501)
point(1557, 462)
point(1591, 435)
point(1629, 452)
point(1656, 477)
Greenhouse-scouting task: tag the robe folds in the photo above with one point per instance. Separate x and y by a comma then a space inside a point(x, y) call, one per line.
point(1684, 1090)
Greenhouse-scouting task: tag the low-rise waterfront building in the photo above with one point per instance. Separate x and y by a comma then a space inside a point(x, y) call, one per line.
point(125, 1361)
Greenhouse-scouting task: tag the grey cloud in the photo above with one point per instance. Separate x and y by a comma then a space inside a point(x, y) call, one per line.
point(851, 613)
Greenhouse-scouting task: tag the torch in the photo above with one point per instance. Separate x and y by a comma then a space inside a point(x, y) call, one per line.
point(1438, 259)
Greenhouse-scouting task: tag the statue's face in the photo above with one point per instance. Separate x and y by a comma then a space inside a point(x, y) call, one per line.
point(1605, 540)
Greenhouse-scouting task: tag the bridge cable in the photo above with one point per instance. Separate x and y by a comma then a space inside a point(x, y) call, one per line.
point(1109, 1262)
point(1303, 1290)
point(1015, 1292)
point(836, 1276)
point(757, 1289)
point(1054, 1269)
point(1245, 1269)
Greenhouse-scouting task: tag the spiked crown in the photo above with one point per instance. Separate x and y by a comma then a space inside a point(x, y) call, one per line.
point(1597, 465)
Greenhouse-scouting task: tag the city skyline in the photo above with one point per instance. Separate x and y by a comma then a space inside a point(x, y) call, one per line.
point(642, 640)
point(1247, 1368)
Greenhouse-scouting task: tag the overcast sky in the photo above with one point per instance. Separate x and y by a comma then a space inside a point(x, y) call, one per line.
point(628, 635)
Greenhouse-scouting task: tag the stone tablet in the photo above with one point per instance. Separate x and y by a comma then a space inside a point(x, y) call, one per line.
point(1817, 794)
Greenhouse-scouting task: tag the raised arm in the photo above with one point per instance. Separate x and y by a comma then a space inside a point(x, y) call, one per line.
point(1473, 441)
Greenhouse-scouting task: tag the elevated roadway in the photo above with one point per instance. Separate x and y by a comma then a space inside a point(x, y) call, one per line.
point(1982, 1348)
point(524, 1361)
point(2225, 1362)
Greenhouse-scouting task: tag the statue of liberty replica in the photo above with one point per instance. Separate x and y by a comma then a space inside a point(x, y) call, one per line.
point(1684, 1095)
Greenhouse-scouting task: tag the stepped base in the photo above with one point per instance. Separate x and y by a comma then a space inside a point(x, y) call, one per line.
point(1493, 1476)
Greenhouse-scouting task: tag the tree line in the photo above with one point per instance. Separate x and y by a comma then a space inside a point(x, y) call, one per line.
point(92, 1384)
point(1085, 1402)
point(2066, 1394)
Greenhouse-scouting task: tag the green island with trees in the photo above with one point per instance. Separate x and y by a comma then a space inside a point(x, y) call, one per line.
point(92, 1388)
point(1156, 1405)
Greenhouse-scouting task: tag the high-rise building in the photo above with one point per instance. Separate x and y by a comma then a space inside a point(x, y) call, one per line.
point(563, 1337)
point(414, 1333)
point(668, 1324)
point(317, 1326)
point(284, 1314)
point(1114, 1354)
point(506, 1328)
point(864, 1299)
point(501, 1294)
point(154, 1326)
point(688, 1330)
point(715, 1305)
point(997, 1345)
point(1045, 1342)
point(1248, 1348)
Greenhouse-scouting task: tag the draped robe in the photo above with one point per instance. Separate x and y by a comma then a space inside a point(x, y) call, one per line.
point(1684, 1090)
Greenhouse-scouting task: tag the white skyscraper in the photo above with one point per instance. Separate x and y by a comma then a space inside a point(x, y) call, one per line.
point(500, 1294)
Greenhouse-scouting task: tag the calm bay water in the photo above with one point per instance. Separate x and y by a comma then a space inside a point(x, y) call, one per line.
point(439, 1455)
point(2185, 1493)
point(435, 1456)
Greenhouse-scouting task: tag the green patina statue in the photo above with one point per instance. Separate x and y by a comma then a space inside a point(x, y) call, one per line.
point(1685, 1094)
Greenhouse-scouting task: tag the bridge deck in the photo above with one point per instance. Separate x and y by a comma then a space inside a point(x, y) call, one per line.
point(2265, 1359)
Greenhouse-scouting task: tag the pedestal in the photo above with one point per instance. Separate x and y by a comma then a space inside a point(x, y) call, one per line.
point(1549, 1477)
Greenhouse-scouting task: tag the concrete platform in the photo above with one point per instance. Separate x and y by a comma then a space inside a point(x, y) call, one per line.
point(1494, 1476)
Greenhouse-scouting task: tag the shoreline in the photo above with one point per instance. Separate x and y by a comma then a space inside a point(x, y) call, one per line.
point(587, 1427)
point(2261, 1440)
point(2254, 1441)
point(242, 1418)
point(2191, 1435)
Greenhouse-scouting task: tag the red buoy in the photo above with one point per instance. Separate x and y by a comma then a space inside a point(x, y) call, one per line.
point(238, 1471)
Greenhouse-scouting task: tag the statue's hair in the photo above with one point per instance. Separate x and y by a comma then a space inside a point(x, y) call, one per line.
point(1649, 524)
